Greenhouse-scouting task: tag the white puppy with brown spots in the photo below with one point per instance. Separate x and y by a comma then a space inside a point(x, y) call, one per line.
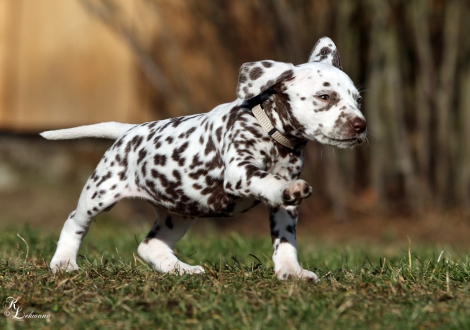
point(223, 162)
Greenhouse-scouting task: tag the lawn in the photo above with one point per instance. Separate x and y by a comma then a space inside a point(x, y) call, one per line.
point(361, 287)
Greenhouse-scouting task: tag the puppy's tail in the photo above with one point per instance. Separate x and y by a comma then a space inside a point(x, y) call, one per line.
point(109, 130)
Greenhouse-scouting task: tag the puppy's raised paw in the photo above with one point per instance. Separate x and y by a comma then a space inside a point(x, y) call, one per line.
point(295, 192)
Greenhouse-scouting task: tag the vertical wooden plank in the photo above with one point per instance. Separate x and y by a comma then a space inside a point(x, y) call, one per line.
point(374, 102)
point(463, 166)
point(444, 97)
point(395, 102)
point(426, 85)
point(10, 20)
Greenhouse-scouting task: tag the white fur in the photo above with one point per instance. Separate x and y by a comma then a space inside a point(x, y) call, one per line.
point(109, 130)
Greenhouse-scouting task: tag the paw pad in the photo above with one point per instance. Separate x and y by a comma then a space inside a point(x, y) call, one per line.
point(295, 192)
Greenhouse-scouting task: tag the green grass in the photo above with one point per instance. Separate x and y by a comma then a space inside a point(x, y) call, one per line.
point(361, 287)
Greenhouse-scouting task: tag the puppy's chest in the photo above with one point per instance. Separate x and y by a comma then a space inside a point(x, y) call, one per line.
point(287, 165)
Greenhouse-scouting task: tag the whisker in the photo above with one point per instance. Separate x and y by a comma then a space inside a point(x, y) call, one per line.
point(361, 88)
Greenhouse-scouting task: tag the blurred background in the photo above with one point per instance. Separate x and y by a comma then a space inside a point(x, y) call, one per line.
point(75, 62)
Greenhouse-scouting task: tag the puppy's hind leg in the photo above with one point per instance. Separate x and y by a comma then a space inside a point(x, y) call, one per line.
point(157, 246)
point(94, 199)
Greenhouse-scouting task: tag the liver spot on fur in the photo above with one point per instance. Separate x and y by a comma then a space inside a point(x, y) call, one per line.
point(325, 50)
point(267, 64)
point(255, 73)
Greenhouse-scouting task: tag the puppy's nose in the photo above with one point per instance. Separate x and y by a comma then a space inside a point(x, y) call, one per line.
point(359, 125)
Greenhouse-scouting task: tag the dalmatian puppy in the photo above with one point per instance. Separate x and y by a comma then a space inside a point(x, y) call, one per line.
point(224, 162)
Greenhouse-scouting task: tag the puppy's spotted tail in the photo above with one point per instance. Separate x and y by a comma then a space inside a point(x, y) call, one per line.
point(109, 130)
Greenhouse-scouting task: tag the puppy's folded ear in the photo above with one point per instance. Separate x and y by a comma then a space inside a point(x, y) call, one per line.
point(256, 77)
point(325, 51)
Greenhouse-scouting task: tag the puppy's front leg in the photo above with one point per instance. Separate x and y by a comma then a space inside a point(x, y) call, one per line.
point(283, 222)
point(247, 178)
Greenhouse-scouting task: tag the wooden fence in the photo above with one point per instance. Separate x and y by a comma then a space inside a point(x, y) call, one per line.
point(70, 62)
point(60, 67)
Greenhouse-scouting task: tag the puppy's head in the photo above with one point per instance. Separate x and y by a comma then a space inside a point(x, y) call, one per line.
point(314, 101)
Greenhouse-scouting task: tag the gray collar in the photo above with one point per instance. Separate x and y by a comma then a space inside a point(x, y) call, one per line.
point(268, 127)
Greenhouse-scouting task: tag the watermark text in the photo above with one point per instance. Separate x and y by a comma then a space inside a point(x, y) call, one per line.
point(13, 310)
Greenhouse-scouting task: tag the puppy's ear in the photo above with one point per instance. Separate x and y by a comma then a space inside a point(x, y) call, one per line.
point(325, 51)
point(256, 77)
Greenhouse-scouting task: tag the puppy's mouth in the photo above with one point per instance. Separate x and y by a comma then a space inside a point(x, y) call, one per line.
point(347, 142)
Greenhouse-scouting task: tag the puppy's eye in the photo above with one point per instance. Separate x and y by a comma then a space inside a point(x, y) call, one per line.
point(359, 99)
point(324, 97)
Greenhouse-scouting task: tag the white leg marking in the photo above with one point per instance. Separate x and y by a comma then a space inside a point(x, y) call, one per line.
point(283, 222)
point(157, 247)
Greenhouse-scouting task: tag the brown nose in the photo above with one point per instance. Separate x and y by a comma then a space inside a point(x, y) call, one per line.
point(359, 125)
